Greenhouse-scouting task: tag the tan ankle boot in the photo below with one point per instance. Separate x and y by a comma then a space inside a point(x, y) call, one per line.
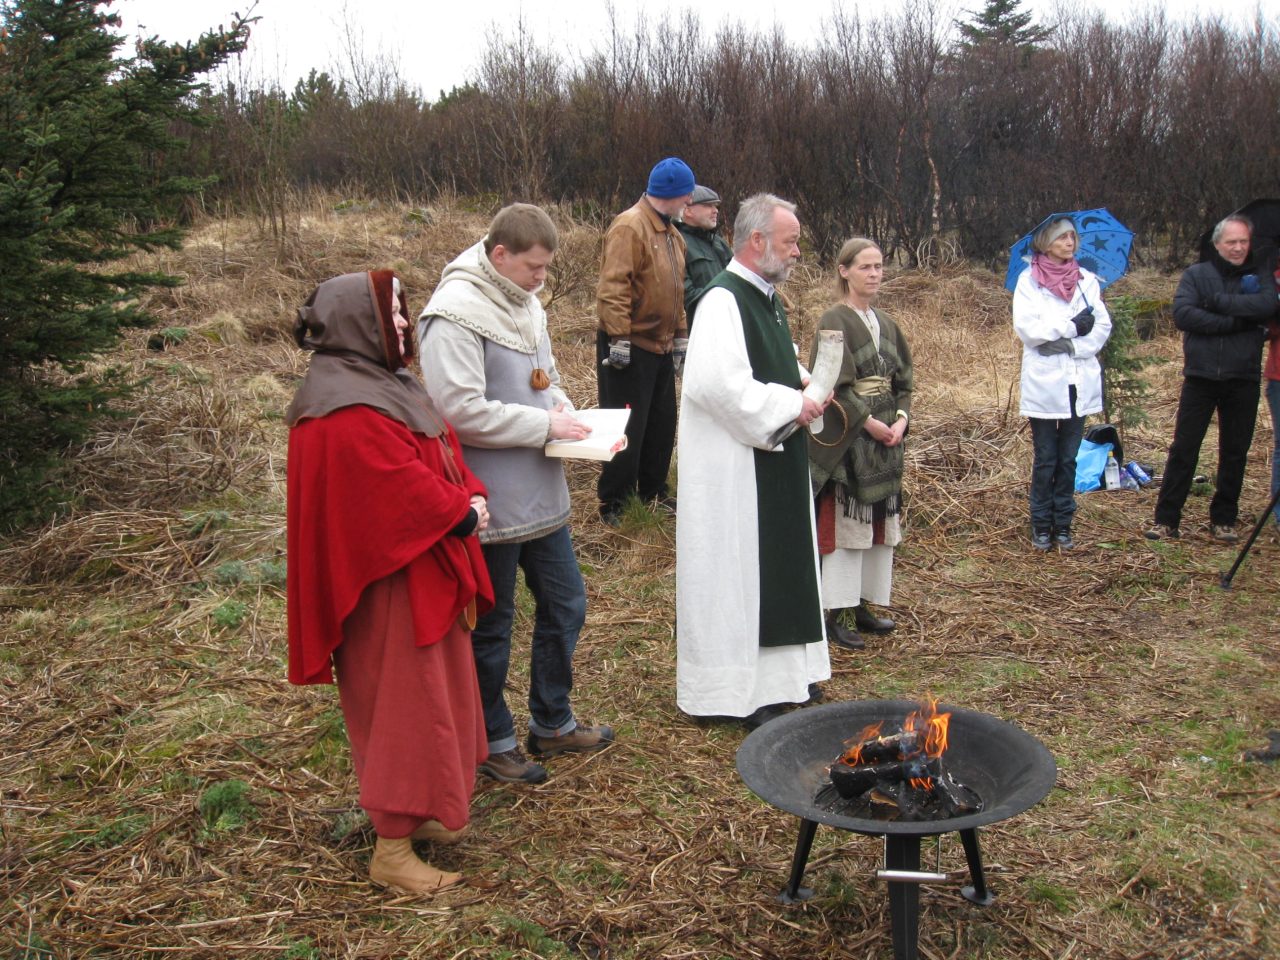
point(436, 832)
point(394, 864)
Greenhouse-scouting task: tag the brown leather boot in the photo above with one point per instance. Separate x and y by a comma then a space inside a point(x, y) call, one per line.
point(437, 832)
point(394, 864)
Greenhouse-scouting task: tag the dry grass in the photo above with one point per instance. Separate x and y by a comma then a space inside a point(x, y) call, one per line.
point(142, 670)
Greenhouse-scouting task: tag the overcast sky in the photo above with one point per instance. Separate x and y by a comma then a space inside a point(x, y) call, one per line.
point(437, 44)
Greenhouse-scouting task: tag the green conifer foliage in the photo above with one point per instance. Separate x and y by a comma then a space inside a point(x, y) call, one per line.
point(83, 184)
point(1001, 22)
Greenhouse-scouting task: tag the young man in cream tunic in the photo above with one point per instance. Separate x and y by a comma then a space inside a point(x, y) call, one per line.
point(487, 362)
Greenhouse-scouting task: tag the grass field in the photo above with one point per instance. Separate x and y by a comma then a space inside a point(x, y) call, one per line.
point(164, 792)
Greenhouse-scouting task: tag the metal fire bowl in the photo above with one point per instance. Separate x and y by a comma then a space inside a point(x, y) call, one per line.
point(785, 761)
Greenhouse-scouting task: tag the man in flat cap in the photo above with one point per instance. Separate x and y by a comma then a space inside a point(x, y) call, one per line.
point(706, 252)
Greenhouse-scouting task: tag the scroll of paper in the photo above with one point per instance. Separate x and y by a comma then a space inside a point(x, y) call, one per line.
point(826, 369)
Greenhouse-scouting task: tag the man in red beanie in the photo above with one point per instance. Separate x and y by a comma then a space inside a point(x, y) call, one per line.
point(642, 337)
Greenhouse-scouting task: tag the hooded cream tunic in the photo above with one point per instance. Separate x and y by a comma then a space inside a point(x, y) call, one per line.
point(481, 338)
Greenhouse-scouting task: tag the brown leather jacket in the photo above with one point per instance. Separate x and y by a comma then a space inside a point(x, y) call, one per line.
point(640, 295)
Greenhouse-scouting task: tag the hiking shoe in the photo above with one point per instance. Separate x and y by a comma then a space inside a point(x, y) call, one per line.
point(1062, 539)
point(1267, 754)
point(1162, 531)
point(580, 739)
point(1041, 540)
point(512, 766)
point(1226, 532)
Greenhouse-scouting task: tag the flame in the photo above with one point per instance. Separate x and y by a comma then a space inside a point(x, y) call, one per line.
point(929, 728)
point(932, 724)
point(934, 728)
point(853, 755)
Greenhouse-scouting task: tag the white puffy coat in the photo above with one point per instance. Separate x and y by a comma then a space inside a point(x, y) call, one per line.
point(1039, 317)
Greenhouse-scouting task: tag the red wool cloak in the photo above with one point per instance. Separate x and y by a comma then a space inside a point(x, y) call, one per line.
point(366, 497)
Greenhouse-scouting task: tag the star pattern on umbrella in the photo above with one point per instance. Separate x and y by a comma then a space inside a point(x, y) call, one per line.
point(1104, 246)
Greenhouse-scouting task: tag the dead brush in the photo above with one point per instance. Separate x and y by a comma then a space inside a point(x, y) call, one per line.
point(952, 293)
point(191, 427)
point(151, 547)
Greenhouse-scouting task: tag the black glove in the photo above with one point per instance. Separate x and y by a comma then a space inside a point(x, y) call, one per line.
point(1061, 345)
point(1083, 321)
point(1241, 324)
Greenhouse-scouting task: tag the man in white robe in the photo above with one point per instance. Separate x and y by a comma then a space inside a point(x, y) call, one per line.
point(736, 655)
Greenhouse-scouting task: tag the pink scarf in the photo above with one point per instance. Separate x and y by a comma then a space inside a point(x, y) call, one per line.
point(1060, 279)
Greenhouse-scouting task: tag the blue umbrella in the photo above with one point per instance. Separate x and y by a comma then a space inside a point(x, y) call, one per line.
point(1104, 248)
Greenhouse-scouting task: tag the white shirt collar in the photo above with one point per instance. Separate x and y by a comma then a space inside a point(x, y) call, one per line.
point(757, 281)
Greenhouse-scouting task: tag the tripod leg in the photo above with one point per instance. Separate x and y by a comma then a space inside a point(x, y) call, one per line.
point(1226, 578)
point(794, 893)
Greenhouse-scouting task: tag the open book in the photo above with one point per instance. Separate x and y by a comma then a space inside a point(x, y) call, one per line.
point(608, 435)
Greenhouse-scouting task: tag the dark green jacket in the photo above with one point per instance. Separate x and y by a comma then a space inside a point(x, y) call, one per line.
point(706, 254)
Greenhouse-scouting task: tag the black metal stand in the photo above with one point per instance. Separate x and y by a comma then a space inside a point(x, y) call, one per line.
point(901, 853)
point(1224, 580)
point(977, 891)
point(794, 893)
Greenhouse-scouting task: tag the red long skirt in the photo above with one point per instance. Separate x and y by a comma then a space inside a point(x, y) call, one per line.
point(413, 714)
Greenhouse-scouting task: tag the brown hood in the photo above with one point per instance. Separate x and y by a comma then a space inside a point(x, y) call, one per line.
point(347, 322)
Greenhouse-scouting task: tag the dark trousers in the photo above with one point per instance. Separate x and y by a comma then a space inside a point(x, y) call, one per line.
point(648, 386)
point(1053, 472)
point(1236, 403)
point(559, 609)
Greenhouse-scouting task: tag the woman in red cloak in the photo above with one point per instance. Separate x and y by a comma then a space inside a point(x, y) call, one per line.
point(385, 575)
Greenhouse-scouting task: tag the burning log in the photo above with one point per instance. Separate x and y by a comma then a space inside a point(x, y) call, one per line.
point(956, 798)
point(853, 781)
point(883, 749)
point(901, 775)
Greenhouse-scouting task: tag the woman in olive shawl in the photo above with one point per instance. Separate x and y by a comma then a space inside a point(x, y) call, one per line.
point(856, 460)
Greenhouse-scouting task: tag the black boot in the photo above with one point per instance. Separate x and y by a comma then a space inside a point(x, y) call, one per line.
point(868, 621)
point(841, 635)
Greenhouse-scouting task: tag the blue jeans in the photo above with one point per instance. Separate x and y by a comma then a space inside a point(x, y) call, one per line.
point(1053, 473)
point(1273, 401)
point(560, 608)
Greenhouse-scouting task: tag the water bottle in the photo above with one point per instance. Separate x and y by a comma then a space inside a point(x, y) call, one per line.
point(1134, 469)
point(1111, 475)
point(1127, 481)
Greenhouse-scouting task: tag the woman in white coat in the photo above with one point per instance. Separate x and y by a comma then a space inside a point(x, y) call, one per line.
point(1059, 315)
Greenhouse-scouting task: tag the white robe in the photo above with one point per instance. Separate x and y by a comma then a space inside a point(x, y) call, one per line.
point(725, 413)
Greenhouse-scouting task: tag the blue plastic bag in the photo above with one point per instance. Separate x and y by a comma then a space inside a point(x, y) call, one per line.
point(1091, 461)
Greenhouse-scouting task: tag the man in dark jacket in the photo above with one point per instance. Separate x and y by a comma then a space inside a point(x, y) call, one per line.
point(706, 252)
point(1221, 306)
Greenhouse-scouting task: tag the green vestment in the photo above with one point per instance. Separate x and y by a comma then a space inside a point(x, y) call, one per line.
point(790, 609)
